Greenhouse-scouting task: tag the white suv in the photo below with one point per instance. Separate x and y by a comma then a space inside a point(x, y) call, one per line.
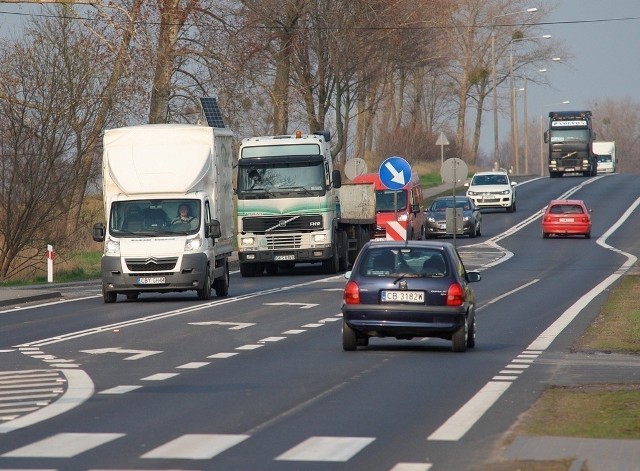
point(492, 190)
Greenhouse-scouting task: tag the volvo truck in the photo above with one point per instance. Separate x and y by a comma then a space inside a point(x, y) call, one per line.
point(570, 137)
point(292, 207)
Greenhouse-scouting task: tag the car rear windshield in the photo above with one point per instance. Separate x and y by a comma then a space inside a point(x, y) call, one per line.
point(414, 262)
point(566, 209)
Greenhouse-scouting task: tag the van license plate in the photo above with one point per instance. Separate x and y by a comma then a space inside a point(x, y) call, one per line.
point(156, 280)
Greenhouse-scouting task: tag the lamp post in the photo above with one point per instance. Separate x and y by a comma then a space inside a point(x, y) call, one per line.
point(515, 145)
point(496, 138)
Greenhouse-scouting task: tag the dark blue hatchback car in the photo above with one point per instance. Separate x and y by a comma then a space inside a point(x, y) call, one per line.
point(406, 290)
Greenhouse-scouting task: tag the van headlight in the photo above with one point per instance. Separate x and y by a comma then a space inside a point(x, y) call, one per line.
point(403, 217)
point(112, 247)
point(319, 238)
point(193, 244)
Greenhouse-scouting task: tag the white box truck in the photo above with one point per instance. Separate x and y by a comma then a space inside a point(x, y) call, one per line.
point(606, 153)
point(168, 202)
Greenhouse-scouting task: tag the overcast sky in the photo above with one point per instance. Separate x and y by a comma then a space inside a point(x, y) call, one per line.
point(605, 63)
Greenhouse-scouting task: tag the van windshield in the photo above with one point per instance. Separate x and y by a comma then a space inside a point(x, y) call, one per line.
point(391, 200)
point(146, 217)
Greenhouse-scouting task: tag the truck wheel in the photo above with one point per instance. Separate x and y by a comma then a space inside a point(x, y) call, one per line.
point(331, 266)
point(204, 294)
point(221, 285)
point(247, 270)
point(109, 296)
point(343, 262)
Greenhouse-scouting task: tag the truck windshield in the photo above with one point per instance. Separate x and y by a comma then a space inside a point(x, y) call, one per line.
point(385, 200)
point(569, 135)
point(281, 179)
point(135, 218)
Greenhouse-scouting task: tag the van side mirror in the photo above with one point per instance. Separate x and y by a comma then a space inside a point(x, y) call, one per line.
point(99, 232)
point(415, 208)
point(337, 179)
point(213, 229)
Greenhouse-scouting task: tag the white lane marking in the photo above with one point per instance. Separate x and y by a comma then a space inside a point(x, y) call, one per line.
point(509, 293)
point(466, 417)
point(62, 301)
point(162, 315)
point(159, 376)
point(63, 445)
point(412, 467)
point(272, 339)
point(315, 324)
point(138, 353)
point(120, 389)
point(194, 365)
point(195, 447)
point(236, 325)
point(459, 423)
point(223, 355)
point(249, 347)
point(294, 331)
point(326, 449)
point(80, 388)
point(300, 305)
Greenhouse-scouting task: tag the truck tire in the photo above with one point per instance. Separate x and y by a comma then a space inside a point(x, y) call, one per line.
point(204, 294)
point(247, 270)
point(331, 266)
point(221, 285)
point(343, 262)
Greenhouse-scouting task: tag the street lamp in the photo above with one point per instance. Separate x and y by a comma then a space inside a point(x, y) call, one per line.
point(496, 143)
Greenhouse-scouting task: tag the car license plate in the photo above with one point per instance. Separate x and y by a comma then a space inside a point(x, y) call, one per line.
point(402, 296)
point(565, 219)
point(279, 258)
point(442, 226)
point(156, 280)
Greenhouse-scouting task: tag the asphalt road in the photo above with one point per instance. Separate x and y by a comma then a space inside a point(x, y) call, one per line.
point(259, 381)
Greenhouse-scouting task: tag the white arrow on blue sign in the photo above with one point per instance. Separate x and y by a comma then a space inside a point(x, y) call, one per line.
point(395, 173)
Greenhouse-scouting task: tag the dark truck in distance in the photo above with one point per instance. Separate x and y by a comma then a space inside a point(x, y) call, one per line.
point(570, 137)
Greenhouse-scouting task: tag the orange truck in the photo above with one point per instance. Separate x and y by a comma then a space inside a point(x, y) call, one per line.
point(399, 213)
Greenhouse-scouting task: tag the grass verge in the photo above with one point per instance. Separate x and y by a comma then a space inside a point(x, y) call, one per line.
point(589, 410)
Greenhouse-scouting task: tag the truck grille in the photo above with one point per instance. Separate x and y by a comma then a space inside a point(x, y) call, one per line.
point(266, 224)
point(284, 242)
point(151, 264)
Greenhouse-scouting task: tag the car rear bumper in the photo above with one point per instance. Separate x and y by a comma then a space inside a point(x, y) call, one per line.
point(566, 229)
point(409, 321)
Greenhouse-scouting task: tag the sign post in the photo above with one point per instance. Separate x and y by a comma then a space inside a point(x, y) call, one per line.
point(395, 173)
point(452, 171)
point(442, 141)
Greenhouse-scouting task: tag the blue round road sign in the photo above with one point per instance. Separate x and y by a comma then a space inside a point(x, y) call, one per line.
point(395, 173)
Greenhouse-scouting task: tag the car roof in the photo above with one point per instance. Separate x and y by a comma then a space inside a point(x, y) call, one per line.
point(494, 172)
point(461, 197)
point(400, 244)
point(554, 202)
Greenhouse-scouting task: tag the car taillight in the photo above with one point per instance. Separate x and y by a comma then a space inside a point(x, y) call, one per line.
point(455, 295)
point(351, 293)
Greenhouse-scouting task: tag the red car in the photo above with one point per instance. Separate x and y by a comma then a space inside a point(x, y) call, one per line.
point(566, 217)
